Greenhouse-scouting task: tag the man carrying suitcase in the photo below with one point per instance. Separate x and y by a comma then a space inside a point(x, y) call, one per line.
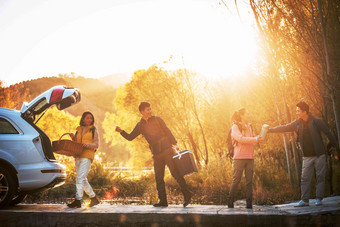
point(160, 140)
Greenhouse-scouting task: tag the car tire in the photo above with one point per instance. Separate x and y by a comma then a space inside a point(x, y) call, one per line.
point(18, 199)
point(7, 187)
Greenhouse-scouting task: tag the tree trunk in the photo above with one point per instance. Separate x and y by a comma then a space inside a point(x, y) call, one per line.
point(296, 159)
point(194, 147)
point(195, 112)
point(288, 160)
point(336, 115)
point(204, 140)
point(292, 143)
point(328, 69)
point(285, 145)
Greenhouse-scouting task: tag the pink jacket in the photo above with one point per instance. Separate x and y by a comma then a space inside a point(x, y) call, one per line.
point(245, 142)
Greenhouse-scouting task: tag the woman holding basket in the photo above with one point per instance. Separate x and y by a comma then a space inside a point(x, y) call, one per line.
point(87, 135)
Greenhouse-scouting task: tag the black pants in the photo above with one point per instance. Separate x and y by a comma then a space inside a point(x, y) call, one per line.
point(165, 158)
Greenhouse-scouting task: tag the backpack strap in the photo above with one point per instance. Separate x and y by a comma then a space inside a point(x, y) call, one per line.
point(298, 123)
point(314, 123)
point(233, 141)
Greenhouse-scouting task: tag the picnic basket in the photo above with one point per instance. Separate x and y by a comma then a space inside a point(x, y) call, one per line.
point(67, 147)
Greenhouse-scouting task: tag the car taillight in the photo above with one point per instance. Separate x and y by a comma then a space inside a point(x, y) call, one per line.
point(51, 171)
point(57, 94)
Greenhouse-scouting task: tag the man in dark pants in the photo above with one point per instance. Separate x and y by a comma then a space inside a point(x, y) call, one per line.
point(308, 129)
point(161, 142)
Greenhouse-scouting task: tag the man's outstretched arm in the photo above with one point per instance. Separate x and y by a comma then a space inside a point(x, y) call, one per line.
point(135, 132)
point(291, 127)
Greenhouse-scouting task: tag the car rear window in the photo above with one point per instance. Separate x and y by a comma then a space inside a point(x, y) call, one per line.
point(6, 127)
point(40, 106)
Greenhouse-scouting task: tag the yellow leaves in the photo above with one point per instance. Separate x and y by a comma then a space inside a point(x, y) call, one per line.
point(126, 121)
point(14, 96)
point(55, 123)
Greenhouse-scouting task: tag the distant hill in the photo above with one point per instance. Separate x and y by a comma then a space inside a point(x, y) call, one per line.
point(116, 80)
point(93, 91)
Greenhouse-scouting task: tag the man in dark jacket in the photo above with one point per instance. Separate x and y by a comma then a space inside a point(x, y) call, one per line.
point(161, 142)
point(308, 129)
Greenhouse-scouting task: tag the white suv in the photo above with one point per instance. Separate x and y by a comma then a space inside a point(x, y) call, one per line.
point(27, 163)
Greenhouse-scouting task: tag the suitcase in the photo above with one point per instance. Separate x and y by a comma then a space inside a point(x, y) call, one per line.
point(67, 147)
point(185, 162)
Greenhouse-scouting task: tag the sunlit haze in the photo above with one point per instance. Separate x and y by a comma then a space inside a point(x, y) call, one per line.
point(98, 38)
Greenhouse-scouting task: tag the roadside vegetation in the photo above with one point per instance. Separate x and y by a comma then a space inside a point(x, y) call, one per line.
point(300, 46)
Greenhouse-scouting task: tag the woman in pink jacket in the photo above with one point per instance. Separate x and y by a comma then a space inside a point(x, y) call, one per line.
point(243, 141)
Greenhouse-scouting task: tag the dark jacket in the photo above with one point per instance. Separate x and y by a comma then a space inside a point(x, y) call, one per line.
point(315, 125)
point(156, 133)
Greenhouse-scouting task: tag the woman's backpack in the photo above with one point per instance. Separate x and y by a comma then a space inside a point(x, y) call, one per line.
point(231, 143)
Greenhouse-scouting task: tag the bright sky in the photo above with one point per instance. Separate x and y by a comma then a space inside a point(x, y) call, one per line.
point(98, 38)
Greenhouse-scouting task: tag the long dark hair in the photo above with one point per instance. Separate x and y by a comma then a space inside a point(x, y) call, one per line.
point(236, 118)
point(81, 123)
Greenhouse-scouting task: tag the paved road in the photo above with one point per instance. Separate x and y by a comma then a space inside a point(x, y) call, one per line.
point(175, 215)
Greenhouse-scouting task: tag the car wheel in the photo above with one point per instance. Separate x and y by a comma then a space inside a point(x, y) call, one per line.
point(18, 198)
point(7, 187)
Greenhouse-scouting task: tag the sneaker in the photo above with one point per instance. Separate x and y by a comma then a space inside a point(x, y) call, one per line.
point(161, 204)
point(249, 204)
point(231, 202)
point(94, 201)
point(318, 202)
point(75, 204)
point(302, 204)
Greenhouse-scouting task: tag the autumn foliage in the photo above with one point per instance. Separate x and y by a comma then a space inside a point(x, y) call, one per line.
point(300, 42)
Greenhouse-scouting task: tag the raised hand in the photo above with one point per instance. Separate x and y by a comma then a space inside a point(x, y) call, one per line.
point(118, 129)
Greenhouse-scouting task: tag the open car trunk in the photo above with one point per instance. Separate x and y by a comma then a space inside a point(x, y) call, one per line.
point(62, 97)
